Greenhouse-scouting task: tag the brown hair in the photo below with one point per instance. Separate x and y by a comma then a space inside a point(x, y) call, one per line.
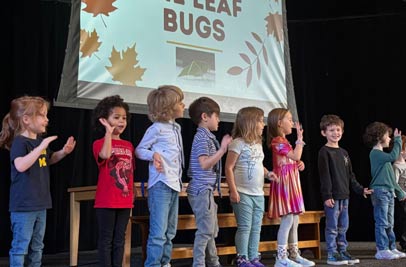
point(375, 132)
point(202, 105)
point(161, 102)
point(274, 116)
point(329, 120)
point(12, 122)
point(246, 123)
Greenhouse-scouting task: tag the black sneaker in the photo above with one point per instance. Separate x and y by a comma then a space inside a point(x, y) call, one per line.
point(336, 259)
point(347, 256)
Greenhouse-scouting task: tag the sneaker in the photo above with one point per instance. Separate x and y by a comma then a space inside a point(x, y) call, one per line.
point(257, 263)
point(347, 256)
point(167, 265)
point(399, 253)
point(242, 261)
point(336, 259)
point(386, 254)
point(302, 261)
point(286, 262)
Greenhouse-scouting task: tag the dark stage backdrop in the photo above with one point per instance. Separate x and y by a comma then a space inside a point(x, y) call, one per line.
point(348, 58)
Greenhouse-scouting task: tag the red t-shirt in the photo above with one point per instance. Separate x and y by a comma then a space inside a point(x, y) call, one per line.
point(116, 175)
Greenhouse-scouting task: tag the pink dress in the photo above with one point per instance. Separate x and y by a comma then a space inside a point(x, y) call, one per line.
point(286, 196)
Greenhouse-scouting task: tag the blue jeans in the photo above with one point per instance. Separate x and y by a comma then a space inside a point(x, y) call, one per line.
point(163, 204)
point(248, 213)
point(336, 226)
point(28, 234)
point(384, 206)
point(204, 246)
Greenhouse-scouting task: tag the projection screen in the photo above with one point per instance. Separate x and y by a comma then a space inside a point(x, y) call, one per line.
point(234, 51)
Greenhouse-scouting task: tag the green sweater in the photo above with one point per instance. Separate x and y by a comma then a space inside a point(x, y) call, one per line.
point(382, 171)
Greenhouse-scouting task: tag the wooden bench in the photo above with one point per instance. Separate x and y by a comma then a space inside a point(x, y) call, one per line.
point(309, 230)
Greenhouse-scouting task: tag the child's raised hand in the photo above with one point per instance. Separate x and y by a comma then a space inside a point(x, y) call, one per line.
point(299, 130)
point(300, 165)
point(397, 132)
point(329, 203)
point(70, 145)
point(46, 141)
point(107, 125)
point(367, 192)
point(158, 162)
point(226, 141)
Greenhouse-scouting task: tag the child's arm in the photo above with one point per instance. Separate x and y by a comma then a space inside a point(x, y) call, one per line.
point(67, 149)
point(24, 163)
point(325, 179)
point(270, 175)
point(229, 169)
point(105, 152)
point(296, 154)
point(207, 162)
point(144, 151)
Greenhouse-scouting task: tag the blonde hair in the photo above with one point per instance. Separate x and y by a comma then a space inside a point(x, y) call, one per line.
point(246, 123)
point(13, 121)
point(161, 102)
point(274, 116)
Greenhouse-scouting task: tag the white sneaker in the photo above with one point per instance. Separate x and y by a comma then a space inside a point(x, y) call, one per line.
point(399, 253)
point(286, 263)
point(167, 265)
point(302, 261)
point(386, 255)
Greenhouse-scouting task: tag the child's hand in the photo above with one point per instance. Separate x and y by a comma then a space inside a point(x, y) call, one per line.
point(367, 192)
point(225, 142)
point(299, 131)
point(69, 146)
point(397, 132)
point(235, 197)
point(158, 162)
point(272, 177)
point(300, 165)
point(329, 203)
point(106, 124)
point(45, 143)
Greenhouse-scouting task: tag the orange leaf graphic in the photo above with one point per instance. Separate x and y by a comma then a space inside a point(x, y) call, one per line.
point(123, 67)
point(235, 70)
point(274, 26)
point(97, 7)
point(89, 43)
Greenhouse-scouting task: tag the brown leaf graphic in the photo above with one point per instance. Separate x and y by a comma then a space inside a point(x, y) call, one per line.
point(251, 47)
point(256, 37)
point(97, 7)
point(235, 70)
point(249, 77)
point(123, 67)
point(258, 69)
point(245, 58)
point(265, 54)
point(274, 26)
point(89, 43)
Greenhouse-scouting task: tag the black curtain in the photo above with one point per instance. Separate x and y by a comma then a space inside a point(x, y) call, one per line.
point(348, 58)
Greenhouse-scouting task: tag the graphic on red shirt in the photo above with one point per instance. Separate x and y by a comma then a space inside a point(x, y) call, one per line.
point(120, 170)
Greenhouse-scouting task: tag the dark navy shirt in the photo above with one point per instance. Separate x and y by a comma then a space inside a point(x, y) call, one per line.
point(29, 190)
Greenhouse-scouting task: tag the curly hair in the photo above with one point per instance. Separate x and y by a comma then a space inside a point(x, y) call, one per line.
point(105, 107)
point(375, 132)
point(202, 105)
point(329, 120)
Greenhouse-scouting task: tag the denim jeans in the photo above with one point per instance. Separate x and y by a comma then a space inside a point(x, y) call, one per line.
point(336, 226)
point(248, 213)
point(204, 246)
point(112, 225)
point(163, 204)
point(383, 202)
point(28, 234)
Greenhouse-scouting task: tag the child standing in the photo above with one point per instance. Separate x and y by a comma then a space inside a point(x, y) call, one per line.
point(336, 177)
point(205, 174)
point(285, 197)
point(162, 146)
point(30, 158)
point(383, 183)
point(399, 167)
point(114, 194)
point(245, 175)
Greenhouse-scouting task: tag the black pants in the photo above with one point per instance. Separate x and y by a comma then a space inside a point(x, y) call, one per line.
point(400, 223)
point(112, 225)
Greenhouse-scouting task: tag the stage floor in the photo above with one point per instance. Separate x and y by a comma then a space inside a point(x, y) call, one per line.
point(365, 251)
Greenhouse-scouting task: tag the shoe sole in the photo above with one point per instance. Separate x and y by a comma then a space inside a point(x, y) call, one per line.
point(337, 262)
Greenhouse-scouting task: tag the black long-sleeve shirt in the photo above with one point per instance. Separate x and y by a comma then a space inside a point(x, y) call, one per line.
point(336, 175)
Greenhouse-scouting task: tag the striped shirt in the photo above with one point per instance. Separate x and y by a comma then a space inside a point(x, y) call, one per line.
point(203, 145)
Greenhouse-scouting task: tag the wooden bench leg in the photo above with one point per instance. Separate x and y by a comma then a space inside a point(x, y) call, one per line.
point(144, 238)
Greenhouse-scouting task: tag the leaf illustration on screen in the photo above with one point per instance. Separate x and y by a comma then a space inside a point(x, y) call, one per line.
point(124, 67)
point(97, 7)
point(195, 68)
point(274, 26)
point(89, 43)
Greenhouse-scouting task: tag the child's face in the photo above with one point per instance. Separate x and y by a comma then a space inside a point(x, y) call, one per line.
point(286, 124)
point(118, 119)
point(178, 110)
point(333, 134)
point(38, 124)
point(260, 126)
point(385, 140)
point(212, 122)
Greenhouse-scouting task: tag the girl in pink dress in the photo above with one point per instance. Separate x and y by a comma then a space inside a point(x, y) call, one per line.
point(285, 197)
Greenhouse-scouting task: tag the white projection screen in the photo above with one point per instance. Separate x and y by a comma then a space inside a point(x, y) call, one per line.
point(234, 51)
